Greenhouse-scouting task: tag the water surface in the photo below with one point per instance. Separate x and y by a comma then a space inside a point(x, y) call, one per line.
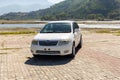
point(41, 25)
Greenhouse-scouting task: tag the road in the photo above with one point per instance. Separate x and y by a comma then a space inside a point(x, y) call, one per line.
point(99, 59)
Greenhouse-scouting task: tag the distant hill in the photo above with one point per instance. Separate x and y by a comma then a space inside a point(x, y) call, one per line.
point(73, 9)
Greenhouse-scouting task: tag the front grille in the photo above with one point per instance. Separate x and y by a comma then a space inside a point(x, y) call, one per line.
point(48, 52)
point(48, 43)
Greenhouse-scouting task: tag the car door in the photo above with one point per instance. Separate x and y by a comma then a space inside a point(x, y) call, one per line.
point(76, 33)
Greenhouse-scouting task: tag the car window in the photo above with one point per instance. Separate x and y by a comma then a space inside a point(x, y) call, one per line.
point(57, 28)
point(76, 25)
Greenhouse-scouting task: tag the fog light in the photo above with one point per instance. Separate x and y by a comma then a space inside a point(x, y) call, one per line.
point(66, 51)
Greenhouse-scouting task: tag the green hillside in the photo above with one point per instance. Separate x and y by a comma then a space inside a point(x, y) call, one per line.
point(73, 9)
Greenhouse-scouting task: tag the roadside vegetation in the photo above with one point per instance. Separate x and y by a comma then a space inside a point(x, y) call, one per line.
point(15, 31)
point(21, 22)
point(10, 48)
point(19, 32)
point(109, 31)
point(44, 22)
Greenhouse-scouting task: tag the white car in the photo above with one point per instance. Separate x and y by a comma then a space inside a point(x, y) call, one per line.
point(57, 38)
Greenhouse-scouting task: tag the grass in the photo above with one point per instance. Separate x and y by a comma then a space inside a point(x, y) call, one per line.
point(44, 22)
point(103, 31)
point(10, 48)
point(118, 33)
point(99, 30)
point(3, 53)
point(21, 22)
point(16, 31)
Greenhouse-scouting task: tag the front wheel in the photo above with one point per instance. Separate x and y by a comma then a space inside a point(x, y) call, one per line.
point(80, 43)
point(35, 56)
point(73, 51)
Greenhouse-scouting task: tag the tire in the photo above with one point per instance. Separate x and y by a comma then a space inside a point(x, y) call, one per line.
point(73, 51)
point(35, 56)
point(80, 44)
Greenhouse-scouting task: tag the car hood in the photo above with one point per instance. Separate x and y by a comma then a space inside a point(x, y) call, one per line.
point(52, 36)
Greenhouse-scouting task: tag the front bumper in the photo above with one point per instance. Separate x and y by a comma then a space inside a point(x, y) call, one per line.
point(52, 50)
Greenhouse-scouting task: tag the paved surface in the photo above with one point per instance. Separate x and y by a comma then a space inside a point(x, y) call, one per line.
point(99, 59)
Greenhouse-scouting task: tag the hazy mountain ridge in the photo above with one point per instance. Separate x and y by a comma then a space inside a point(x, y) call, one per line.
point(74, 9)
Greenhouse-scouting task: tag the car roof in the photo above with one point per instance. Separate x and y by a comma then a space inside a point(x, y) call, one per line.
point(61, 21)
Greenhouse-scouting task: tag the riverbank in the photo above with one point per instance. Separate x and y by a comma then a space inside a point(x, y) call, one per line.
point(22, 22)
point(103, 31)
point(44, 22)
point(16, 31)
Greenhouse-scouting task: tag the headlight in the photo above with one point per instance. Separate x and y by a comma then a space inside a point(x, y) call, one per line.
point(63, 42)
point(34, 42)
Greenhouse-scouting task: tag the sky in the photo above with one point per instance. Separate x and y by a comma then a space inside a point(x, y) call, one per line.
point(7, 6)
point(55, 1)
point(26, 2)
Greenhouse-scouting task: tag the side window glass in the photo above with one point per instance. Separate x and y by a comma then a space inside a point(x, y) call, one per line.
point(73, 26)
point(76, 26)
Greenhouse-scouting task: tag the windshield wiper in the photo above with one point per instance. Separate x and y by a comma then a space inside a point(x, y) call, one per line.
point(46, 32)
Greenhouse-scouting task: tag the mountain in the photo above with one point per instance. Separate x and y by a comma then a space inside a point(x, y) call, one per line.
point(73, 9)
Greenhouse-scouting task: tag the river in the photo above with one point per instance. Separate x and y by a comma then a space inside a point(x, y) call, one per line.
point(117, 26)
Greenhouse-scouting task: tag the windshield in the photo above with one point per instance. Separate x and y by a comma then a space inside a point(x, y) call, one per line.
point(57, 28)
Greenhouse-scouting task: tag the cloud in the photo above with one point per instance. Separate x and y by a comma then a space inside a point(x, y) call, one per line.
point(21, 2)
point(8, 4)
point(55, 1)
